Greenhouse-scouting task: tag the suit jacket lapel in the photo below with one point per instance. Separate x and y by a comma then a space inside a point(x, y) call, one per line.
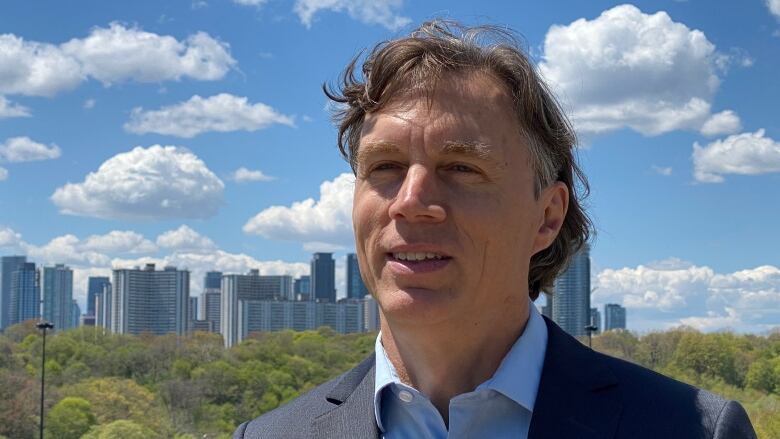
point(578, 395)
point(352, 398)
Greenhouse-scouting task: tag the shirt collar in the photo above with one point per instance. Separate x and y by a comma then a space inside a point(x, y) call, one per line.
point(517, 377)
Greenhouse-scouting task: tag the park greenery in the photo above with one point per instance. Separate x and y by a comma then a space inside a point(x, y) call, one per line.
point(105, 386)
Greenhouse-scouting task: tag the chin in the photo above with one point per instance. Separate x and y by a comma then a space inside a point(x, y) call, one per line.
point(416, 305)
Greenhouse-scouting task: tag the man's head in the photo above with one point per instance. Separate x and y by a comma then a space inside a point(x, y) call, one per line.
point(461, 153)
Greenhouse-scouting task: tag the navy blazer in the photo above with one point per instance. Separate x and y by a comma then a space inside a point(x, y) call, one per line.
point(582, 394)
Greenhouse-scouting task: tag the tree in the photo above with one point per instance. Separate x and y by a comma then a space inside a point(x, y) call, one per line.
point(70, 418)
point(121, 429)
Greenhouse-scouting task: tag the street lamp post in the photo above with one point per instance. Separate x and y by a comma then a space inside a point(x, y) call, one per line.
point(43, 326)
point(590, 329)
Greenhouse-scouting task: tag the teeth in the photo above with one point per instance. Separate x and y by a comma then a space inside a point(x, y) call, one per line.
point(414, 256)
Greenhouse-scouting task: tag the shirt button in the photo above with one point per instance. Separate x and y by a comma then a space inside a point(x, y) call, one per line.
point(405, 396)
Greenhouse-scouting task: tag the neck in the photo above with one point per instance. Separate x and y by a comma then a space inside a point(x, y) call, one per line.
point(450, 358)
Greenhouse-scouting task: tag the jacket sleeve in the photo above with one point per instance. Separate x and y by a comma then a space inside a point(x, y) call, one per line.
point(733, 423)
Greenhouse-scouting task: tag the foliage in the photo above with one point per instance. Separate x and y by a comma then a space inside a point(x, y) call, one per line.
point(118, 386)
point(70, 418)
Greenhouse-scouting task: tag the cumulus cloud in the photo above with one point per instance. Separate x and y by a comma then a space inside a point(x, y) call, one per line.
point(9, 109)
point(9, 238)
point(243, 174)
point(114, 54)
point(725, 122)
point(630, 69)
point(327, 220)
point(119, 53)
point(774, 7)
point(3, 174)
point(382, 12)
point(743, 154)
point(675, 293)
point(24, 149)
point(118, 242)
point(89, 104)
point(145, 183)
point(223, 112)
point(185, 239)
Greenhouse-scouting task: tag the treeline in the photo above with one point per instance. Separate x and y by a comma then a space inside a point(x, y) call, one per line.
point(103, 386)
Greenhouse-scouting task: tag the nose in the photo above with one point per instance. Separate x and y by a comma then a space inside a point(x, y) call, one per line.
point(418, 199)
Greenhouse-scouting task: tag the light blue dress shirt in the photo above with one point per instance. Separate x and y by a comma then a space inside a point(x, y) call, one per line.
point(501, 407)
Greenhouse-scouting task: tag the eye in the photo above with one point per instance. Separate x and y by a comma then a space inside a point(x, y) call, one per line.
point(460, 167)
point(385, 166)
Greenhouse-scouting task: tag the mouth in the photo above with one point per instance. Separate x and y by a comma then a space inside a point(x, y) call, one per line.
point(417, 262)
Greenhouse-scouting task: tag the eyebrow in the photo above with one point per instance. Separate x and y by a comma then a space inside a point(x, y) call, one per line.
point(470, 148)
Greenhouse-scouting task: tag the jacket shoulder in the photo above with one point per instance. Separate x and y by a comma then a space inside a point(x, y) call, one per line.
point(294, 419)
point(653, 402)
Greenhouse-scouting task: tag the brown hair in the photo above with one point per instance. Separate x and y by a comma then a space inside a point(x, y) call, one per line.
point(441, 46)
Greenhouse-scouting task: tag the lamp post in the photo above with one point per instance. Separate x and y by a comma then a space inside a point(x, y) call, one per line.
point(590, 329)
point(43, 326)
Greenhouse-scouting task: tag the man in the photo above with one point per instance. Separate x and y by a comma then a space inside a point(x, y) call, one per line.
point(465, 208)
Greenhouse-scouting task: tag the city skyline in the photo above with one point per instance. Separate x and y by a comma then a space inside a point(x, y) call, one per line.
point(676, 113)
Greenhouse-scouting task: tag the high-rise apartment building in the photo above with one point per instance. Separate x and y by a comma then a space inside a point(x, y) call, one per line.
point(302, 288)
point(571, 303)
point(252, 286)
point(323, 278)
point(57, 292)
point(210, 299)
point(346, 316)
point(95, 286)
point(212, 280)
point(8, 265)
point(356, 289)
point(103, 307)
point(149, 300)
point(75, 314)
point(192, 309)
point(25, 294)
point(614, 317)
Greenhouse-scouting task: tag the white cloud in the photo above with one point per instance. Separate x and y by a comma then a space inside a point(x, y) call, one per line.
point(744, 154)
point(118, 242)
point(9, 238)
point(9, 109)
point(676, 293)
point(120, 53)
point(725, 122)
point(382, 12)
point(327, 220)
point(145, 183)
point(184, 239)
point(114, 54)
point(223, 112)
point(661, 170)
point(629, 69)
point(65, 249)
point(243, 174)
point(3, 174)
point(89, 104)
point(774, 7)
point(24, 149)
point(37, 69)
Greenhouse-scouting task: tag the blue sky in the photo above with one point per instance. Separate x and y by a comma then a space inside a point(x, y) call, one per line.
point(196, 133)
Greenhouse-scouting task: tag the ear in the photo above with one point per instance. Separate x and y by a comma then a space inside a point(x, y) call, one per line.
point(553, 203)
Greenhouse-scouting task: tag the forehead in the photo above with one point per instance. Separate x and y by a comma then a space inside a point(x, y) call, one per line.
point(470, 108)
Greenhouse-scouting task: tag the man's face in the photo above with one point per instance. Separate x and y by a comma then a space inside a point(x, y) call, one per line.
point(444, 211)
